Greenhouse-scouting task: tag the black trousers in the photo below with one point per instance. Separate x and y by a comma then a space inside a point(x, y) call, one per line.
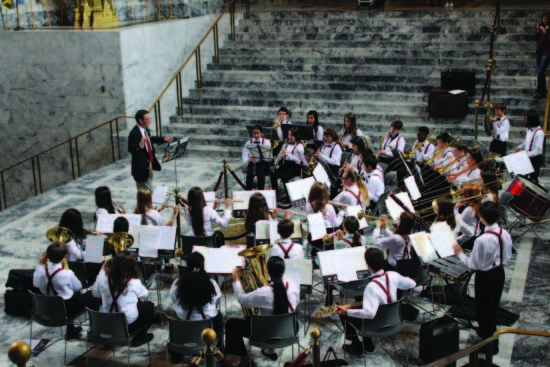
point(488, 290)
point(536, 161)
point(498, 146)
point(74, 306)
point(260, 169)
point(285, 172)
point(351, 333)
point(146, 313)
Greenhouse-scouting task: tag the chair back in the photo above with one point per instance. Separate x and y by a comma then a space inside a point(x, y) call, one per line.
point(274, 331)
point(412, 268)
point(386, 322)
point(48, 310)
point(79, 270)
point(185, 335)
point(108, 328)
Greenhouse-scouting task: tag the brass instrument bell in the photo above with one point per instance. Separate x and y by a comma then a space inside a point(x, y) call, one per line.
point(59, 235)
point(120, 241)
point(329, 239)
point(256, 276)
point(275, 143)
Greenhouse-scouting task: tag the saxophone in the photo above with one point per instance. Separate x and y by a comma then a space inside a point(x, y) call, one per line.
point(256, 275)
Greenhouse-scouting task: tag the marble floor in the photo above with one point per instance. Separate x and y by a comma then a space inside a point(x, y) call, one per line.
point(22, 240)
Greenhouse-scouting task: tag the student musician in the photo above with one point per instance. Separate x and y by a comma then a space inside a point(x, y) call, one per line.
point(352, 236)
point(426, 151)
point(444, 153)
point(257, 210)
point(470, 173)
point(492, 250)
point(285, 248)
point(256, 167)
point(331, 152)
point(318, 202)
point(349, 130)
point(150, 216)
point(284, 113)
point(381, 290)
point(489, 183)
point(278, 297)
point(313, 120)
point(398, 243)
point(460, 162)
point(53, 280)
point(72, 220)
point(470, 215)
point(120, 290)
point(357, 145)
point(104, 203)
point(201, 217)
point(392, 141)
point(196, 296)
point(373, 179)
point(444, 210)
point(291, 160)
point(355, 192)
point(534, 140)
point(501, 129)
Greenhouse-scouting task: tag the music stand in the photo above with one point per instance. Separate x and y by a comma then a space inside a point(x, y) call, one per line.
point(306, 131)
point(260, 152)
point(269, 133)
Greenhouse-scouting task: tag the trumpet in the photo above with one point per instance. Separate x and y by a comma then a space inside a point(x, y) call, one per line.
point(438, 153)
point(411, 153)
point(328, 239)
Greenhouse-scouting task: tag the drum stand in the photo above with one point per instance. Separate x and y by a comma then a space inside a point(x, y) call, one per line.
point(527, 223)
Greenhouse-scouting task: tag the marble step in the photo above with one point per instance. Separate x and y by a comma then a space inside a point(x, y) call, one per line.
point(217, 151)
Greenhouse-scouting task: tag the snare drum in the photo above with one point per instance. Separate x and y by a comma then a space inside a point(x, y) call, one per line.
point(529, 199)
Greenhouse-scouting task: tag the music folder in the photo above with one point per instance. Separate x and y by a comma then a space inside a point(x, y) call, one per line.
point(306, 131)
point(241, 198)
point(342, 266)
point(299, 191)
point(154, 241)
point(221, 260)
point(175, 149)
point(106, 222)
point(519, 163)
point(264, 232)
point(300, 271)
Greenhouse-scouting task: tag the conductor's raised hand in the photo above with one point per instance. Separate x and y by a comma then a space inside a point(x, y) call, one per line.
point(169, 139)
point(142, 142)
point(457, 249)
point(228, 203)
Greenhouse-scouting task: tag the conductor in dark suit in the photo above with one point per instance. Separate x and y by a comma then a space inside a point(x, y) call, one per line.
point(140, 146)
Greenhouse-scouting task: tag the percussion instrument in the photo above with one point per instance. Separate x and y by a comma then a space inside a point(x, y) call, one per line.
point(450, 268)
point(529, 198)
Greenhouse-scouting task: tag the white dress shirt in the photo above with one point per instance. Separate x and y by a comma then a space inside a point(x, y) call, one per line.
point(331, 153)
point(356, 162)
point(145, 135)
point(65, 282)
point(469, 218)
point(444, 158)
point(318, 135)
point(394, 243)
point(295, 154)
point(210, 216)
point(76, 251)
point(331, 219)
point(469, 176)
point(425, 152)
point(351, 196)
point(210, 310)
point(98, 212)
point(297, 251)
point(262, 298)
point(345, 242)
point(347, 137)
point(395, 141)
point(280, 131)
point(534, 140)
point(153, 218)
point(262, 141)
point(486, 252)
point(501, 129)
point(458, 166)
point(127, 302)
point(375, 296)
point(375, 185)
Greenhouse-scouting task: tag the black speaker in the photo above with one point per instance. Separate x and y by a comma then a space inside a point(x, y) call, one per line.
point(458, 79)
point(438, 338)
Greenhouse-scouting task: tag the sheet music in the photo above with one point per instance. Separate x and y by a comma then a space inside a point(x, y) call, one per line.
point(210, 198)
point(326, 262)
point(94, 249)
point(443, 239)
point(159, 194)
point(221, 260)
point(273, 232)
point(241, 198)
point(519, 163)
point(321, 175)
point(345, 266)
point(316, 226)
point(167, 237)
point(412, 187)
point(297, 228)
point(148, 246)
point(262, 229)
point(394, 209)
point(300, 189)
point(293, 271)
point(105, 222)
point(353, 211)
point(423, 246)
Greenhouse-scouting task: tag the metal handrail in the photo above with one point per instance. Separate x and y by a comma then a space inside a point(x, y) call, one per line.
point(155, 107)
point(545, 123)
point(473, 351)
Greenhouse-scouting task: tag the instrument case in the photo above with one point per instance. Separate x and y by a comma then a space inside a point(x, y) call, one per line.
point(442, 104)
point(438, 338)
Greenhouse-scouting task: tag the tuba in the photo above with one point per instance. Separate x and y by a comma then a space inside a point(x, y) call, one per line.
point(256, 275)
point(120, 241)
point(60, 235)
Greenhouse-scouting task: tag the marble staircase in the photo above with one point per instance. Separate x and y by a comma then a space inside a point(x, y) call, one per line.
point(378, 65)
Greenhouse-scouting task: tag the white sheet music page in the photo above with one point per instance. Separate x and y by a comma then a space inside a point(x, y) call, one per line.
point(297, 228)
point(345, 265)
point(105, 222)
point(159, 194)
point(519, 163)
point(292, 271)
point(149, 243)
point(394, 209)
point(167, 237)
point(221, 260)
point(353, 211)
point(94, 249)
point(326, 262)
point(413, 188)
point(306, 271)
point(423, 246)
point(442, 239)
point(300, 189)
point(358, 255)
point(241, 198)
point(406, 200)
point(210, 198)
point(273, 232)
point(262, 229)
point(321, 175)
point(316, 226)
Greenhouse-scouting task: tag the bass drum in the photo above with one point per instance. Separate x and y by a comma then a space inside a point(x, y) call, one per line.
point(529, 199)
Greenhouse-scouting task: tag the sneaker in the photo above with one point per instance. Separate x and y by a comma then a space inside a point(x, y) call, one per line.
point(73, 332)
point(354, 349)
point(142, 340)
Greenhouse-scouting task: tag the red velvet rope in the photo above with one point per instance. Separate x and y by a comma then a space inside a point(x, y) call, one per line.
point(225, 362)
point(192, 364)
point(236, 237)
point(219, 182)
point(299, 360)
point(237, 178)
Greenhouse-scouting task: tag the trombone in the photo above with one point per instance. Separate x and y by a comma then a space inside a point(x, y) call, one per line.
point(440, 151)
point(410, 154)
point(328, 239)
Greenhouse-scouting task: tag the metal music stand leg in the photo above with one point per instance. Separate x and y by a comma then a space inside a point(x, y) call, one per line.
point(460, 304)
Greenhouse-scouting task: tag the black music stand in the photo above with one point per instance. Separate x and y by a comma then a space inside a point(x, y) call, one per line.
point(269, 133)
point(306, 131)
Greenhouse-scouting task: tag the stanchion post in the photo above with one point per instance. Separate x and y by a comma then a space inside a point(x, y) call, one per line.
point(476, 118)
point(209, 352)
point(316, 347)
point(232, 36)
point(216, 45)
point(247, 9)
point(545, 124)
point(198, 68)
point(225, 183)
point(19, 353)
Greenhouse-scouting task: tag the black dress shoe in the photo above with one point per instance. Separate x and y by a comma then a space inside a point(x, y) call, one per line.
point(354, 349)
point(73, 332)
point(140, 340)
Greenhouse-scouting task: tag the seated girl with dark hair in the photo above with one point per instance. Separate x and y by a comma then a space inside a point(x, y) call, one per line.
point(104, 203)
point(72, 220)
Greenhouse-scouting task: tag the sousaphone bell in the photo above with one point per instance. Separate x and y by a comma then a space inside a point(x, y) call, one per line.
point(120, 241)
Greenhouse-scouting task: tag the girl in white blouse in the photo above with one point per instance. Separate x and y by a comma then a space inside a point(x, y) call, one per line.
point(313, 120)
point(72, 220)
point(120, 290)
point(398, 243)
point(201, 217)
point(149, 215)
point(355, 191)
point(352, 236)
point(444, 210)
point(349, 130)
point(104, 203)
point(470, 215)
point(278, 297)
point(488, 181)
point(470, 173)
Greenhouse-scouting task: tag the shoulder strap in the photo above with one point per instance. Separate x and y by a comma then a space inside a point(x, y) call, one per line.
point(347, 241)
point(189, 312)
point(114, 296)
point(406, 251)
point(499, 236)
point(286, 251)
point(357, 197)
point(386, 290)
point(50, 281)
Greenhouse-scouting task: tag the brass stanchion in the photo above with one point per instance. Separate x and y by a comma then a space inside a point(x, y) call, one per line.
point(19, 353)
point(225, 182)
point(476, 117)
point(545, 124)
point(210, 352)
point(171, 17)
point(48, 13)
point(18, 28)
point(315, 346)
